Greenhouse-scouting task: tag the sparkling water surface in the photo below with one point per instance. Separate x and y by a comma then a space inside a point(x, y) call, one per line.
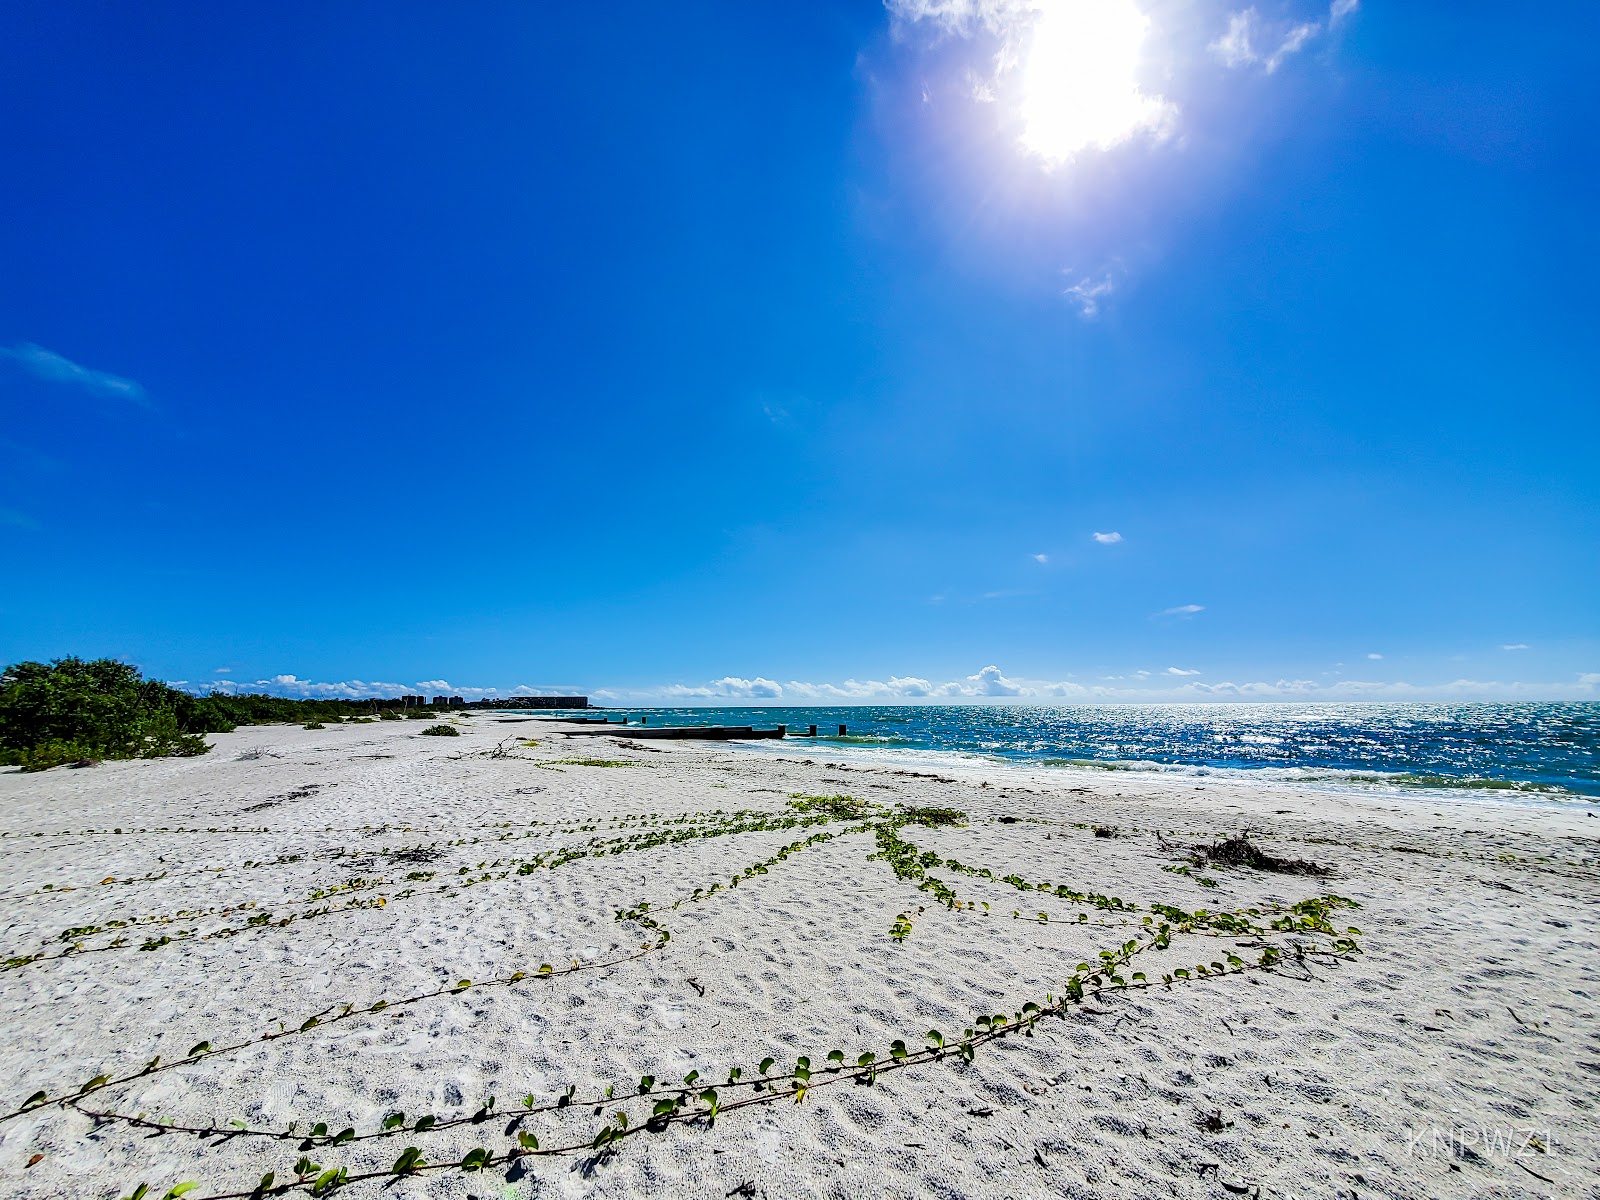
point(1517, 752)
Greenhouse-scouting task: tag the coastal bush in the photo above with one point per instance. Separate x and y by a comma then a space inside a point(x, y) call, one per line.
point(441, 731)
point(73, 709)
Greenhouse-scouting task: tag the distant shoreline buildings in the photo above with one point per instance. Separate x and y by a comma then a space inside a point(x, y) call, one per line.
point(500, 702)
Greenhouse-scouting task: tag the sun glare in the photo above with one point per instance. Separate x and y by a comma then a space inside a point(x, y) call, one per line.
point(1080, 80)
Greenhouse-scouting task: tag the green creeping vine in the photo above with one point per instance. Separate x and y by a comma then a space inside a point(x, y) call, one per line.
point(691, 1103)
point(743, 821)
point(537, 829)
point(395, 1124)
point(1301, 931)
point(334, 1013)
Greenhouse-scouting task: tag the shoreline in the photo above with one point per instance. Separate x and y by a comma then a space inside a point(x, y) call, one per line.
point(1327, 1077)
point(1351, 799)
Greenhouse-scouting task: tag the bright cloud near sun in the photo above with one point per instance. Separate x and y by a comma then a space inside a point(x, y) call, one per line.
point(1080, 80)
point(1071, 68)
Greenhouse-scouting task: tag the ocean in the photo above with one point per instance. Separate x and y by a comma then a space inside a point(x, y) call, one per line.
point(1522, 753)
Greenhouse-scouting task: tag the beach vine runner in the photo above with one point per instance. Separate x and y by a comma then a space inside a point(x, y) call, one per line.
point(517, 1133)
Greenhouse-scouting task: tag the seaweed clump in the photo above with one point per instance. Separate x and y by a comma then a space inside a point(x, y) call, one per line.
point(1240, 851)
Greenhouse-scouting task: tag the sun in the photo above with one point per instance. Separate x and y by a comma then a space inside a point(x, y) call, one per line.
point(1080, 87)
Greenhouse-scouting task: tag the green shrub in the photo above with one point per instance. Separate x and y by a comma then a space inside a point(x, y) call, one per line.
point(315, 725)
point(386, 715)
point(418, 715)
point(52, 754)
point(73, 709)
point(441, 731)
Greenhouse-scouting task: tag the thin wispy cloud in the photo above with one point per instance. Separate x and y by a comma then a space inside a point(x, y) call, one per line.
point(1375, 657)
point(1252, 40)
point(1516, 646)
point(1088, 293)
point(1180, 671)
point(1107, 539)
point(1182, 610)
point(55, 368)
point(1041, 558)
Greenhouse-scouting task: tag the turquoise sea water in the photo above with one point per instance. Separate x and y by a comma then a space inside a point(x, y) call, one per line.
point(1519, 752)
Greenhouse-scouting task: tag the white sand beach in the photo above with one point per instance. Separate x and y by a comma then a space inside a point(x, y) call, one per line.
point(211, 960)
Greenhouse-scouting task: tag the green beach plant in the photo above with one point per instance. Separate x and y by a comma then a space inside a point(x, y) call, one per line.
point(1298, 932)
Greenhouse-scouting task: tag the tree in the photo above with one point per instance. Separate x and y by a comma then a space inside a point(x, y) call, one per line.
point(73, 708)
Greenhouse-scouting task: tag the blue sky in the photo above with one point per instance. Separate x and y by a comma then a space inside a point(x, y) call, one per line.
point(1133, 349)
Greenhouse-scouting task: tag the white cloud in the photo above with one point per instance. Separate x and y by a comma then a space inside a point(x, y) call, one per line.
point(1041, 558)
point(1375, 657)
point(1182, 610)
point(358, 689)
point(1087, 294)
point(1069, 69)
point(990, 682)
point(1516, 646)
point(729, 687)
point(1107, 539)
point(1172, 685)
point(54, 368)
point(1252, 40)
point(1233, 47)
point(222, 671)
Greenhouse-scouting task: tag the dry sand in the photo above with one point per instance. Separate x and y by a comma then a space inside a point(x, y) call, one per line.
point(1456, 1055)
